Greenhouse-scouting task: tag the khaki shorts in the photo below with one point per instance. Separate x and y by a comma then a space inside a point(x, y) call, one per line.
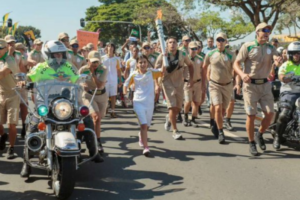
point(192, 94)
point(99, 104)
point(261, 94)
point(174, 96)
point(24, 95)
point(220, 94)
point(9, 109)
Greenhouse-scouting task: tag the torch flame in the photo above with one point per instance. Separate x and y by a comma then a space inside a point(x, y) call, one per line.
point(159, 14)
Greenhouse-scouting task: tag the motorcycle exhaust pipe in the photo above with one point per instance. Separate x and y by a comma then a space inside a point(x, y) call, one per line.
point(34, 142)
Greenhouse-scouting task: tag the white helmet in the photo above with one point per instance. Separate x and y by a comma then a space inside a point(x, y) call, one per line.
point(280, 50)
point(293, 48)
point(53, 46)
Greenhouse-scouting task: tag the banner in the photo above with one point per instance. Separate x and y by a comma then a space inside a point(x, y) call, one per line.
point(85, 37)
point(14, 28)
point(4, 19)
point(30, 35)
point(9, 31)
point(134, 33)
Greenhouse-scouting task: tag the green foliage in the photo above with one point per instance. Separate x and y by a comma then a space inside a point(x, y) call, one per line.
point(210, 23)
point(140, 12)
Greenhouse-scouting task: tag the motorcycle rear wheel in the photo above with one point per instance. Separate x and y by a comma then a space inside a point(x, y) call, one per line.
point(63, 176)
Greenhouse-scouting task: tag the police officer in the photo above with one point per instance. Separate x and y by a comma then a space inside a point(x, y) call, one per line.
point(9, 100)
point(172, 82)
point(289, 91)
point(79, 59)
point(257, 57)
point(56, 62)
point(220, 82)
point(194, 95)
point(35, 56)
point(98, 106)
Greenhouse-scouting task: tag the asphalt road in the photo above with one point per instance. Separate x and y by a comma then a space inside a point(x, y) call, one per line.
point(194, 168)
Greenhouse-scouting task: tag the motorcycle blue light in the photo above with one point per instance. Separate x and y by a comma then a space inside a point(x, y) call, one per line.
point(42, 110)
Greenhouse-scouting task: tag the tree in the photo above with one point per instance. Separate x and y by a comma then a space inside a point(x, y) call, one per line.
point(290, 20)
point(140, 12)
point(256, 10)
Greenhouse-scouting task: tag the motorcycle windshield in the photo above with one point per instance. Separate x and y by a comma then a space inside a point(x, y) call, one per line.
point(48, 90)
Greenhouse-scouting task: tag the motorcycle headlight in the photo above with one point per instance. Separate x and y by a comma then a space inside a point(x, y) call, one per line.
point(62, 109)
point(297, 103)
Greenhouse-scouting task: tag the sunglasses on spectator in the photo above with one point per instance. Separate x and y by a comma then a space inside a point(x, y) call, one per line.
point(221, 40)
point(75, 45)
point(65, 40)
point(189, 40)
point(146, 48)
point(266, 30)
point(194, 49)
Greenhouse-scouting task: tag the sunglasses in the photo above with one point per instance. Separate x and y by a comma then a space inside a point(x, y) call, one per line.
point(187, 40)
point(65, 40)
point(194, 49)
point(75, 46)
point(146, 48)
point(266, 30)
point(221, 40)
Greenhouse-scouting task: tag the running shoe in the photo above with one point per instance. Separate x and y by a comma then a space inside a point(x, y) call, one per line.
point(177, 135)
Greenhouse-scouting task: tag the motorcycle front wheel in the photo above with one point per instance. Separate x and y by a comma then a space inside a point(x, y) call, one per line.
point(63, 176)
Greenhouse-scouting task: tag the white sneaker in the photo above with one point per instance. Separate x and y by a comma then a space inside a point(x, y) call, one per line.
point(140, 141)
point(146, 152)
point(167, 124)
point(177, 135)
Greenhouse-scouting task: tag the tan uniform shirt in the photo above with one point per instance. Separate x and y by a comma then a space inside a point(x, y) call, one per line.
point(176, 76)
point(80, 61)
point(257, 59)
point(221, 65)
point(198, 62)
point(101, 73)
point(152, 59)
point(8, 82)
point(36, 56)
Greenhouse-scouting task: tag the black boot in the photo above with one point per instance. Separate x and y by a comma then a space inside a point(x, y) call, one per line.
point(278, 135)
point(26, 171)
point(199, 110)
point(194, 122)
point(214, 130)
point(185, 121)
point(23, 132)
point(179, 118)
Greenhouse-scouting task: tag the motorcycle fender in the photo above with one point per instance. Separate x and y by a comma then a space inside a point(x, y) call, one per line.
point(65, 141)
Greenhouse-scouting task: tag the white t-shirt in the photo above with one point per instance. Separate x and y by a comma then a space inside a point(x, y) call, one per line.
point(131, 65)
point(144, 85)
point(113, 65)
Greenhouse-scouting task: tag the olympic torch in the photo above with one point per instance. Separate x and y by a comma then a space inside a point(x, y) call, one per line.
point(160, 33)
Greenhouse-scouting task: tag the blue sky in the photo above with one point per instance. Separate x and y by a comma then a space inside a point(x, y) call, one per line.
point(50, 16)
point(55, 16)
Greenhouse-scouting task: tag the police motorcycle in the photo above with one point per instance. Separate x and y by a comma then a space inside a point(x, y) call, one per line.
point(55, 146)
point(287, 114)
